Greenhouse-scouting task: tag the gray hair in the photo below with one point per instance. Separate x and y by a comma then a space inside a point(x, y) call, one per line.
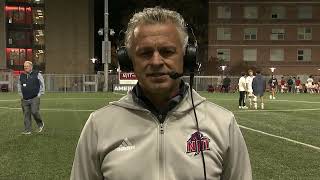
point(157, 15)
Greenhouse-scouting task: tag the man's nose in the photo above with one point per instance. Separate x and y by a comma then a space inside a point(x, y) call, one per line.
point(157, 59)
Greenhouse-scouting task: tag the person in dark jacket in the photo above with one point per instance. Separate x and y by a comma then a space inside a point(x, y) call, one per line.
point(30, 88)
point(259, 87)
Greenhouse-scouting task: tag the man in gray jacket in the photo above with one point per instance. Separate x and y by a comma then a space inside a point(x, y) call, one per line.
point(151, 133)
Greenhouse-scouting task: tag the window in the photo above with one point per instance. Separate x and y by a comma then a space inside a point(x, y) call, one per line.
point(250, 54)
point(278, 12)
point(18, 15)
point(250, 12)
point(38, 1)
point(276, 55)
point(250, 34)
point(277, 34)
point(305, 12)
point(19, 1)
point(38, 56)
point(223, 33)
point(38, 15)
point(19, 38)
point(304, 55)
point(16, 56)
point(38, 37)
point(304, 33)
point(224, 12)
point(223, 54)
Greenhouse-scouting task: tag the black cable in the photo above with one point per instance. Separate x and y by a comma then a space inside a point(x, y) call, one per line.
point(198, 130)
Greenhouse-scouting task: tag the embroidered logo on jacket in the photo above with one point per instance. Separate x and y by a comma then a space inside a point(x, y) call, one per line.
point(126, 145)
point(197, 142)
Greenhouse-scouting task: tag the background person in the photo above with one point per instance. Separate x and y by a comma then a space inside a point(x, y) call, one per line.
point(30, 88)
point(242, 86)
point(273, 83)
point(259, 87)
point(249, 80)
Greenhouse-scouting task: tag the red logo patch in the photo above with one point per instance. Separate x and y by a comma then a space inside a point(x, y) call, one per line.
point(197, 142)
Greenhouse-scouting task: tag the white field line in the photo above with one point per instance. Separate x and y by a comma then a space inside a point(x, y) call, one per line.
point(311, 102)
point(283, 138)
point(53, 109)
point(275, 110)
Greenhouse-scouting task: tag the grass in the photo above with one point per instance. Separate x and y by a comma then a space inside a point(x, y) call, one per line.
point(49, 155)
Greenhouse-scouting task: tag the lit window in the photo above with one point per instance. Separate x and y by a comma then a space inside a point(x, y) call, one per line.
point(38, 38)
point(39, 56)
point(277, 34)
point(223, 54)
point(223, 33)
point(305, 12)
point(304, 33)
point(250, 54)
point(250, 12)
point(224, 12)
point(250, 34)
point(304, 55)
point(38, 15)
point(278, 12)
point(276, 55)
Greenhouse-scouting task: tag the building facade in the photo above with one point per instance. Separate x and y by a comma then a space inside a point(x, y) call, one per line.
point(263, 34)
point(56, 36)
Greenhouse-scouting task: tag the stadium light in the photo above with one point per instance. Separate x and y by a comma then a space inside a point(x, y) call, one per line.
point(272, 69)
point(93, 60)
point(223, 67)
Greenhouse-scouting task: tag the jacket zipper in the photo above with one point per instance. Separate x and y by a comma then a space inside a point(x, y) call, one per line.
point(161, 153)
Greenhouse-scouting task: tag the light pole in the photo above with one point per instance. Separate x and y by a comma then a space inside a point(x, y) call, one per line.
point(106, 49)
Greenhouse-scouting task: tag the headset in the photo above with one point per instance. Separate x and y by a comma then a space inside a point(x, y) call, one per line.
point(190, 65)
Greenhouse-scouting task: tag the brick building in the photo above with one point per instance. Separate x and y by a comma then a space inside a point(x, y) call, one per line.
point(263, 34)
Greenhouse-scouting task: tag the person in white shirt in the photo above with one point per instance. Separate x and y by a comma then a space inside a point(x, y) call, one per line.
point(249, 80)
point(242, 90)
point(310, 84)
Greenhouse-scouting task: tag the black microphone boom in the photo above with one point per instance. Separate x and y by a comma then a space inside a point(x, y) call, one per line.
point(175, 75)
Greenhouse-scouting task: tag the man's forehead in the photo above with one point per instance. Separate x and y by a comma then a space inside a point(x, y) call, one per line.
point(154, 29)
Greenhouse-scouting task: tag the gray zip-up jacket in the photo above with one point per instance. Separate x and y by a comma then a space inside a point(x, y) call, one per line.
point(124, 141)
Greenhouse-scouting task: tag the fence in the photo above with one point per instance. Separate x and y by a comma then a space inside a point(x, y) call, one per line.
point(61, 82)
point(94, 82)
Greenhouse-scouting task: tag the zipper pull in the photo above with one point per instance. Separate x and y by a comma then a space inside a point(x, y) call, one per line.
point(161, 128)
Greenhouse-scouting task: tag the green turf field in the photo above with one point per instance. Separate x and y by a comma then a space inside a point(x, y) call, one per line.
point(290, 150)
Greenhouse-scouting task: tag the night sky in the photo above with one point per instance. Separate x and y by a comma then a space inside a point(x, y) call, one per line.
point(195, 13)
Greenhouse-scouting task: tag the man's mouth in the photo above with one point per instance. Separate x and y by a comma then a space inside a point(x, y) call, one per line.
point(156, 74)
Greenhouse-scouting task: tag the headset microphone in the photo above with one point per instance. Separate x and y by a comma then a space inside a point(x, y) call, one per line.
point(175, 75)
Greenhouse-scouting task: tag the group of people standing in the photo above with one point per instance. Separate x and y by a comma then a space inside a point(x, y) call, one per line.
point(251, 89)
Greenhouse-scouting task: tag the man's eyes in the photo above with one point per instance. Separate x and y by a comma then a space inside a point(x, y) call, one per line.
point(167, 52)
point(164, 52)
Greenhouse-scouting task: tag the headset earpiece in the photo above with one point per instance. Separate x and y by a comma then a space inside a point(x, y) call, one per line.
point(190, 59)
point(124, 60)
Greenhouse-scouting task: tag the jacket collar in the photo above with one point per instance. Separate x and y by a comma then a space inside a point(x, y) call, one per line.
point(181, 107)
point(140, 98)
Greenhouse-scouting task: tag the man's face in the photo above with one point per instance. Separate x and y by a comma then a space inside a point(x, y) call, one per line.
point(27, 67)
point(250, 73)
point(156, 51)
